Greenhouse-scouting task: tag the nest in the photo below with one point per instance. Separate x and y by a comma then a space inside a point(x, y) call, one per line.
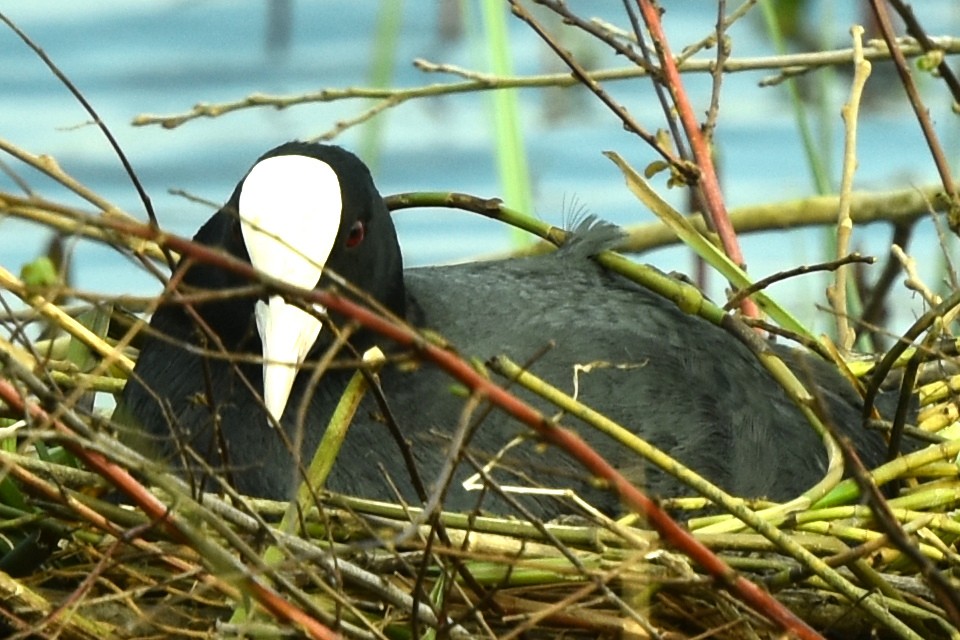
point(116, 572)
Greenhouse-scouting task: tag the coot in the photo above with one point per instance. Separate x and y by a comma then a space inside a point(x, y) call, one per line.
point(305, 210)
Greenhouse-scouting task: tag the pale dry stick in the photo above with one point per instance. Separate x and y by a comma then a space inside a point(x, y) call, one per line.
point(894, 207)
point(796, 62)
point(74, 222)
point(342, 125)
point(723, 26)
point(690, 50)
point(876, 50)
point(837, 293)
point(913, 280)
point(48, 165)
point(17, 352)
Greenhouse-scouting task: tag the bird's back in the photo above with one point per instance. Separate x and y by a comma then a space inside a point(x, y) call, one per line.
point(683, 384)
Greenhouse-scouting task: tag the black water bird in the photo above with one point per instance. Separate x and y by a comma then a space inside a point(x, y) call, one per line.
point(305, 210)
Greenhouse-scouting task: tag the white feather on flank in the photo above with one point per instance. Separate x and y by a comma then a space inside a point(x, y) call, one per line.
point(289, 209)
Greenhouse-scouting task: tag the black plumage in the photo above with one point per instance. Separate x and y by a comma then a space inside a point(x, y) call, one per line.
point(684, 384)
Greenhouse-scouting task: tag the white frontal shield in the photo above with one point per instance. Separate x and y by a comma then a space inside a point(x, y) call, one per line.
point(289, 211)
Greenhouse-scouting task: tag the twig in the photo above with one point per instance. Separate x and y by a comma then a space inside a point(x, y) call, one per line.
point(916, 30)
point(72, 221)
point(629, 122)
point(921, 112)
point(914, 282)
point(896, 207)
point(802, 61)
point(873, 307)
point(711, 38)
point(707, 183)
point(922, 324)
point(48, 165)
point(669, 114)
point(763, 283)
point(723, 52)
point(342, 125)
point(837, 293)
point(947, 595)
point(22, 184)
point(127, 167)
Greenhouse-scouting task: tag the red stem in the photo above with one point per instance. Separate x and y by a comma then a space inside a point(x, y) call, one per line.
point(708, 183)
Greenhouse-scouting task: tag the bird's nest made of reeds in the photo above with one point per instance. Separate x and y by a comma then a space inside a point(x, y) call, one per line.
point(869, 555)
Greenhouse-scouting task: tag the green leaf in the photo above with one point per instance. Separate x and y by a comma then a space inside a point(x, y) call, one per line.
point(929, 61)
point(702, 246)
point(39, 275)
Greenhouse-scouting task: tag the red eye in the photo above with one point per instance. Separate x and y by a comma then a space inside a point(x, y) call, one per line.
point(356, 235)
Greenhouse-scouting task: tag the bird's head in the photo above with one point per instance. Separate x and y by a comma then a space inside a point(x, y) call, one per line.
point(305, 212)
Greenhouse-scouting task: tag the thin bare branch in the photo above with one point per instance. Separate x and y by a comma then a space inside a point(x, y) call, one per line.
point(921, 112)
point(799, 62)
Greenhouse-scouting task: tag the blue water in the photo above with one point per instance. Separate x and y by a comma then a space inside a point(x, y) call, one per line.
point(162, 57)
